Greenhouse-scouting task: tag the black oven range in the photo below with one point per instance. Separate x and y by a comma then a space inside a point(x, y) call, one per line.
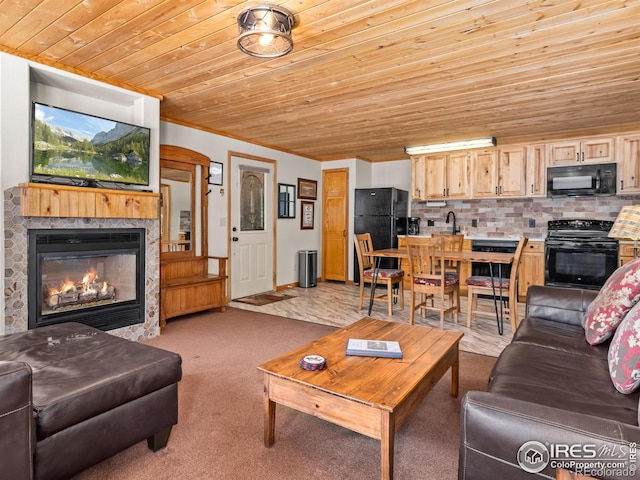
point(579, 254)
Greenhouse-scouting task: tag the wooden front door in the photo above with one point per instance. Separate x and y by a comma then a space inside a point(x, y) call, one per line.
point(335, 224)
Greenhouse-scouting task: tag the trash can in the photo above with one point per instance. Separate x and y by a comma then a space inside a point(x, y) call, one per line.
point(308, 268)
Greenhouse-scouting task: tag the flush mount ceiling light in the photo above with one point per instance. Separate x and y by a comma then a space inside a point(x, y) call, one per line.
point(445, 147)
point(265, 31)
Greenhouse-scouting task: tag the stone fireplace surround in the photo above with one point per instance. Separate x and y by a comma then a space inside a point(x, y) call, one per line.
point(15, 251)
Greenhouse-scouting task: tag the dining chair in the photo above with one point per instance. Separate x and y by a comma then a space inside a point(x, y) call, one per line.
point(391, 277)
point(451, 243)
point(482, 285)
point(431, 282)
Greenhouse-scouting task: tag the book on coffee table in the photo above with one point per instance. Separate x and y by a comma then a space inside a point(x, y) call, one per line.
point(373, 348)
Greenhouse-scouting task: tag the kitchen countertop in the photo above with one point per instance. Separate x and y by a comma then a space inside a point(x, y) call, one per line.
point(480, 237)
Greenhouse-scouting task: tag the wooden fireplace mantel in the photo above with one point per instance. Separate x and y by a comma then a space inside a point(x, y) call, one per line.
point(46, 200)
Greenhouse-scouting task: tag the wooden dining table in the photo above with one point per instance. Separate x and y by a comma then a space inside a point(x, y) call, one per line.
point(491, 258)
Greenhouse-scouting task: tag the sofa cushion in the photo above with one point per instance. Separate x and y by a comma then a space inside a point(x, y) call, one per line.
point(566, 337)
point(556, 379)
point(624, 353)
point(618, 295)
point(80, 372)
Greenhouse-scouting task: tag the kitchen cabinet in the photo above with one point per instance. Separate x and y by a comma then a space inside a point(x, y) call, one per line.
point(536, 171)
point(499, 173)
point(629, 165)
point(418, 187)
point(625, 253)
point(581, 151)
point(531, 268)
point(404, 264)
point(447, 175)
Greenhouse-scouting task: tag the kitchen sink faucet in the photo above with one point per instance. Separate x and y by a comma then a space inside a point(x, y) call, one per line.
point(454, 230)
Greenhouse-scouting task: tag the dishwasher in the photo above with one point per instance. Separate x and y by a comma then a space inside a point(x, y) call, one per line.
point(490, 245)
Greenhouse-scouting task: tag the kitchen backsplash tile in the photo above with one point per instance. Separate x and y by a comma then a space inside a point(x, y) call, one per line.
point(510, 217)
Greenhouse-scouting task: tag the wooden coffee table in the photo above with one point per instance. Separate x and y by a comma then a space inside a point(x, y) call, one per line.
point(369, 395)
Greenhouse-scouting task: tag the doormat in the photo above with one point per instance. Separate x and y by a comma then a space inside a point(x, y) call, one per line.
point(264, 298)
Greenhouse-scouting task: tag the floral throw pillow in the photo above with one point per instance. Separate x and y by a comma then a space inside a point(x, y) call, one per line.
point(619, 294)
point(624, 353)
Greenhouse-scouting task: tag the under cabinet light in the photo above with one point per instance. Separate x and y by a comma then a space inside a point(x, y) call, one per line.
point(445, 147)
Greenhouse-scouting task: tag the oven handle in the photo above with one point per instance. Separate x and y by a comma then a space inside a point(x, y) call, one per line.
point(581, 246)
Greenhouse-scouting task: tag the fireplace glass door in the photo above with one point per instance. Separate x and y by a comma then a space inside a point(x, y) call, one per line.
point(95, 277)
point(80, 281)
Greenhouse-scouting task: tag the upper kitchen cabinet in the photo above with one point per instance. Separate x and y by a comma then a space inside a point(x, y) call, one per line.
point(418, 187)
point(447, 175)
point(536, 173)
point(499, 173)
point(629, 165)
point(581, 151)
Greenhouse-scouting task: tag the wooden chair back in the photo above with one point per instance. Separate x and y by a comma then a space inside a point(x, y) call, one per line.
point(363, 245)
point(425, 255)
point(515, 268)
point(451, 243)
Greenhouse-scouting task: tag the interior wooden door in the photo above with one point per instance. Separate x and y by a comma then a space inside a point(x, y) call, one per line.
point(335, 224)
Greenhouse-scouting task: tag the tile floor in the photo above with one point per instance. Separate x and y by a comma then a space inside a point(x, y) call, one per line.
point(334, 303)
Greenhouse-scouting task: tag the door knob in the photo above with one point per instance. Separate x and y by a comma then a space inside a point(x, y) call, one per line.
point(234, 239)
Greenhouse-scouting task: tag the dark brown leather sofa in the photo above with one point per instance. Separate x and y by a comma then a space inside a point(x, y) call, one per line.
point(72, 396)
point(549, 385)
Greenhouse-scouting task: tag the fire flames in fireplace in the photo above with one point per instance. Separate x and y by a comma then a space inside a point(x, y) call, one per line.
point(91, 289)
point(91, 276)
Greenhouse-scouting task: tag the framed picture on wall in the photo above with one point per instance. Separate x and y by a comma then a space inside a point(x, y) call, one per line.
point(307, 189)
point(286, 201)
point(306, 219)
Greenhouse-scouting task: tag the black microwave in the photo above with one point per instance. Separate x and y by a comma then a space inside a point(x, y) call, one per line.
point(579, 180)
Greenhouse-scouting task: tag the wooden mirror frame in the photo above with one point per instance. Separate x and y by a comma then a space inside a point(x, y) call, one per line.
point(181, 158)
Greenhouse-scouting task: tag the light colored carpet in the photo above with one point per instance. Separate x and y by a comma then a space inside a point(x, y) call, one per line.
point(220, 431)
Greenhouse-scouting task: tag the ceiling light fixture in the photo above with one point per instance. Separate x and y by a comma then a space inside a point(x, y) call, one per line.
point(265, 31)
point(446, 147)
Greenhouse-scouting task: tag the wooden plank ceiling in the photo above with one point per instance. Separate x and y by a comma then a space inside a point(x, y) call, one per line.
point(365, 78)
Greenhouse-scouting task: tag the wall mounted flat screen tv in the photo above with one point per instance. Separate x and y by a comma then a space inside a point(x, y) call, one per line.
point(79, 149)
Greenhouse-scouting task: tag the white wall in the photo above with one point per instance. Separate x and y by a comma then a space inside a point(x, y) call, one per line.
point(22, 81)
point(393, 174)
point(2, 322)
point(364, 174)
point(290, 238)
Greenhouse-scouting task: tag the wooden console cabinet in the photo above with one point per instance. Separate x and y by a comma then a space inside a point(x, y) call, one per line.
point(187, 287)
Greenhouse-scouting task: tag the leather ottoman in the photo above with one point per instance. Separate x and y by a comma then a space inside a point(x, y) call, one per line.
point(93, 395)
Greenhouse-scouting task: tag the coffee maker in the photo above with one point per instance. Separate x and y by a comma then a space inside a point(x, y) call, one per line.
point(413, 226)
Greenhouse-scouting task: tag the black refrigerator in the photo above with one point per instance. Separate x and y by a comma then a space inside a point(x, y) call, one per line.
point(383, 213)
